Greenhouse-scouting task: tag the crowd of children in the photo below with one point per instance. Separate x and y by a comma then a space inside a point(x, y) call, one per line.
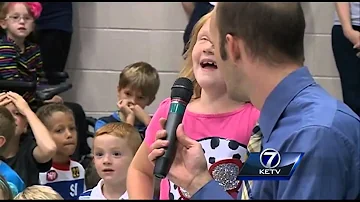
point(36, 147)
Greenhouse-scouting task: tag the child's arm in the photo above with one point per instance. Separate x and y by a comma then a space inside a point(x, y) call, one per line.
point(46, 147)
point(139, 182)
point(140, 173)
point(141, 115)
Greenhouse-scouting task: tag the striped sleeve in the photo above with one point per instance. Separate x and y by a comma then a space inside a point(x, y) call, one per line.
point(8, 64)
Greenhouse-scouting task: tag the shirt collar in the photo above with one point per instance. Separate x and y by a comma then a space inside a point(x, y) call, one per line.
point(280, 98)
point(96, 193)
point(17, 48)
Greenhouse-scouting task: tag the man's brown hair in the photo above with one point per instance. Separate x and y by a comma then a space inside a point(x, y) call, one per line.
point(7, 126)
point(272, 31)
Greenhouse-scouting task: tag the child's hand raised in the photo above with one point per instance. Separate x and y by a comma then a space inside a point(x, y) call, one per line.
point(3, 99)
point(125, 106)
point(19, 102)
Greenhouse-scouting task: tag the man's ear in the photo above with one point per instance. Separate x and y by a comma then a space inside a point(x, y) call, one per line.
point(2, 141)
point(233, 48)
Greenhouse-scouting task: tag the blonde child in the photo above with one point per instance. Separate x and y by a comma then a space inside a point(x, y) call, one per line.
point(7, 131)
point(38, 192)
point(114, 147)
point(221, 125)
point(137, 88)
point(66, 176)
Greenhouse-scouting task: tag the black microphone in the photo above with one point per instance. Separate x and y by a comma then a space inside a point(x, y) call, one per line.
point(181, 93)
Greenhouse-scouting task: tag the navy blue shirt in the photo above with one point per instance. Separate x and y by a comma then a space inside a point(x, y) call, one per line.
point(56, 15)
point(300, 116)
point(115, 118)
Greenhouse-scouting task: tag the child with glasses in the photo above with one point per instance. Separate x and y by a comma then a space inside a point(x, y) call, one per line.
point(19, 59)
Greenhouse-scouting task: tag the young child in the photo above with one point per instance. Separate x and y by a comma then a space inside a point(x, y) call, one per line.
point(5, 190)
point(20, 57)
point(91, 176)
point(7, 131)
point(137, 88)
point(115, 145)
point(38, 192)
point(221, 125)
point(23, 151)
point(65, 176)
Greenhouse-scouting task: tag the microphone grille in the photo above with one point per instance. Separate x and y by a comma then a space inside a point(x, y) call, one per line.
point(183, 89)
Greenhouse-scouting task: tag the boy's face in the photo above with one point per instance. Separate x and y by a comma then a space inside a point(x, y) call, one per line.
point(20, 120)
point(112, 158)
point(63, 131)
point(18, 23)
point(134, 95)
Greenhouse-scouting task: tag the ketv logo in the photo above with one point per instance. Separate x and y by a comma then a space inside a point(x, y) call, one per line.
point(270, 165)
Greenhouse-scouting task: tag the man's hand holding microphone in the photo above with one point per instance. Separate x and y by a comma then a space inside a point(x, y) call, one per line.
point(175, 155)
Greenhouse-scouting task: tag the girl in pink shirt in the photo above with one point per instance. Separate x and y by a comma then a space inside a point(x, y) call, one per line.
point(221, 125)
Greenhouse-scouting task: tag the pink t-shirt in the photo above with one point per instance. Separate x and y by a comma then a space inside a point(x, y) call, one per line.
point(224, 138)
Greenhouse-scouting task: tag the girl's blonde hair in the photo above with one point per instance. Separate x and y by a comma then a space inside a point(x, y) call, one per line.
point(187, 70)
point(5, 189)
point(38, 192)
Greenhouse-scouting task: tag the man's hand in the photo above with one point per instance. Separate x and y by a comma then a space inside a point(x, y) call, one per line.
point(189, 169)
point(19, 102)
point(55, 99)
point(4, 100)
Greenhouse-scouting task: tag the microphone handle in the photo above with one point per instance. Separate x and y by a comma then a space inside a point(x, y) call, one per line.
point(175, 116)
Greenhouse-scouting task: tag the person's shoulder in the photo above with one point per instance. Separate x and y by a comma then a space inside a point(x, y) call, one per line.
point(114, 117)
point(164, 105)
point(4, 41)
point(74, 163)
point(11, 176)
point(7, 45)
point(165, 102)
point(8, 172)
point(85, 195)
point(245, 113)
point(345, 114)
point(317, 138)
point(33, 47)
point(251, 110)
